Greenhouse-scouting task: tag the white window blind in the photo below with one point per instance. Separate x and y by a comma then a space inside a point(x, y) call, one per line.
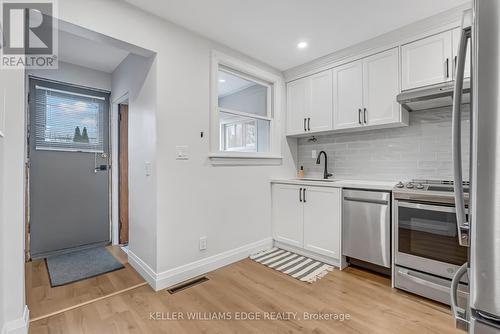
point(67, 121)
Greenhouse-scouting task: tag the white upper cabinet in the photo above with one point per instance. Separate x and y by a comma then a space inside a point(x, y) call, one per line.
point(380, 88)
point(427, 61)
point(456, 41)
point(297, 100)
point(348, 95)
point(320, 102)
point(309, 104)
point(364, 92)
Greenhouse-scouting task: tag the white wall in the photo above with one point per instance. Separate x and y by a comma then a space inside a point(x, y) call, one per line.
point(229, 205)
point(12, 303)
point(136, 78)
point(76, 75)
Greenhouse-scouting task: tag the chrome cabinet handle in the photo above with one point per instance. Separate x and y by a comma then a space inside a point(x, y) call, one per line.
point(308, 124)
point(304, 195)
point(305, 129)
point(300, 195)
point(359, 116)
point(364, 115)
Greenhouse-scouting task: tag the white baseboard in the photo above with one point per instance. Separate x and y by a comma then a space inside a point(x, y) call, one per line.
point(142, 268)
point(18, 326)
point(185, 272)
point(168, 278)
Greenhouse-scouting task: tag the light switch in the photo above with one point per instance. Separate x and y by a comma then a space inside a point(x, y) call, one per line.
point(148, 168)
point(313, 154)
point(181, 153)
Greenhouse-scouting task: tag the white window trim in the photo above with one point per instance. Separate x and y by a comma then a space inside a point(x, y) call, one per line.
point(218, 157)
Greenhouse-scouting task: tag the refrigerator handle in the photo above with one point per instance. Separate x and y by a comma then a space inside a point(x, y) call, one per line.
point(462, 224)
point(459, 313)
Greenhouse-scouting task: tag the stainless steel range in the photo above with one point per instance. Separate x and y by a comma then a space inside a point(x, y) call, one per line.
point(427, 249)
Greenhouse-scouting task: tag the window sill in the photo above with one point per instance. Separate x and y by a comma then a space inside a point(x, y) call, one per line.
point(241, 159)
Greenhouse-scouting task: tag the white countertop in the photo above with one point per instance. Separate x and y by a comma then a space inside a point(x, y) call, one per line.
point(357, 184)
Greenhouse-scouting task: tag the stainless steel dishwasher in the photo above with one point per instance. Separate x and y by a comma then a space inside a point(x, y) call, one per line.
point(366, 224)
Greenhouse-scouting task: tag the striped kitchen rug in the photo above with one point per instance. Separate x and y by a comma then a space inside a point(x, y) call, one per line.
point(295, 265)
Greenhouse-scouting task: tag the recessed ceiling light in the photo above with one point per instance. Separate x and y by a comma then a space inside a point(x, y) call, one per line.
point(222, 80)
point(302, 45)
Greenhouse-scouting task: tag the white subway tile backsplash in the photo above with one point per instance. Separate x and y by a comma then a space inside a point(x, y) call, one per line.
point(421, 150)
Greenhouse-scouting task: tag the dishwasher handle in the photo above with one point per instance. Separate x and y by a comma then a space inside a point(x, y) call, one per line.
point(366, 200)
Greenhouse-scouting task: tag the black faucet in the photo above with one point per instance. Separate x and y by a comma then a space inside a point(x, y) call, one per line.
point(326, 175)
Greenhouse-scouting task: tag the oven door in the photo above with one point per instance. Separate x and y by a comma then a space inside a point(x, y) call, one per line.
point(426, 238)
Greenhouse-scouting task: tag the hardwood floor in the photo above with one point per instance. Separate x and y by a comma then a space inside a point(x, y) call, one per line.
point(44, 300)
point(247, 286)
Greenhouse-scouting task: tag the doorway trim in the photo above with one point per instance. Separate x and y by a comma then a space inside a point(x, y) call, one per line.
point(115, 171)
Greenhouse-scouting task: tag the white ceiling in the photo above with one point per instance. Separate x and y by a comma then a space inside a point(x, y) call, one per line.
point(88, 53)
point(269, 30)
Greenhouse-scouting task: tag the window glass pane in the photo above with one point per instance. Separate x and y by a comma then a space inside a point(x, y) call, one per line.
point(240, 94)
point(68, 121)
point(243, 134)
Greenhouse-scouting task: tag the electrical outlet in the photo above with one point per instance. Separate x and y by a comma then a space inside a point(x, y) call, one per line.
point(203, 243)
point(313, 154)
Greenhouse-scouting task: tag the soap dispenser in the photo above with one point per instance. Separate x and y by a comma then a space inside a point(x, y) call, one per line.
point(300, 174)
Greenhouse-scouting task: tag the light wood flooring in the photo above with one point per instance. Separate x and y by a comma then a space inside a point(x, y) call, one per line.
point(246, 286)
point(43, 300)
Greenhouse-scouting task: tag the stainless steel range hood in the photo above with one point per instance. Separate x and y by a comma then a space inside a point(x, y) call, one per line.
point(432, 97)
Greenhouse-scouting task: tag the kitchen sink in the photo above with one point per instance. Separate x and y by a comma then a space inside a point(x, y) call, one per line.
point(317, 180)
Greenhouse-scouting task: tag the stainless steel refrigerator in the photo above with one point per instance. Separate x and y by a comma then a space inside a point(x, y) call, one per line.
point(480, 230)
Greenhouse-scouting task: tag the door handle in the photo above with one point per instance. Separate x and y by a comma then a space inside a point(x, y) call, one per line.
point(308, 124)
point(300, 195)
point(305, 128)
point(404, 273)
point(359, 116)
point(459, 314)
point(447, 68)
point(364, 114)
point(304, 200)
point(462, 224)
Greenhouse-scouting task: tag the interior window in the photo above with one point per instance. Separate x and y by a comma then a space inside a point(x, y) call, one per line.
point(244, 112)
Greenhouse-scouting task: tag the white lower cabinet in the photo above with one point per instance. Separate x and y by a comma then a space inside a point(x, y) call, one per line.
point(322, 221)
point(307, 217)
point(288, 214)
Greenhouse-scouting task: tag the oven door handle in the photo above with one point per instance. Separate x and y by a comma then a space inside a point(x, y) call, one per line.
point(405, 273)
point(439, 208)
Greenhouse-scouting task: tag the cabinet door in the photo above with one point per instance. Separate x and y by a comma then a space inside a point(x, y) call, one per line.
point(287, 214)
point(381, 86)
point(297, 104)
point(456, 41)
point(320, 102)
point(427, 61)
point(322, 221)
point(347, 95)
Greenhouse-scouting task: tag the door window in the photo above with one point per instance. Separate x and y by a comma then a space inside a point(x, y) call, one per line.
point(67, 121)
